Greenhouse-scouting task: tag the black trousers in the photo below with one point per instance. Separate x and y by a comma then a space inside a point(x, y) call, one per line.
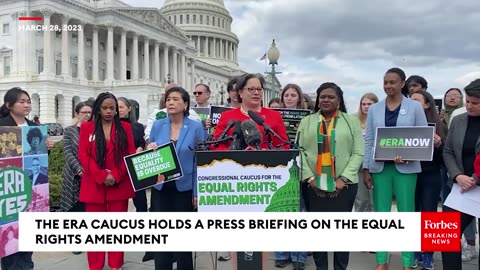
point(341, 203)
point(78, 207)
point(453, 260)
point(18, 261)
point(169, 199)
point(140, 201)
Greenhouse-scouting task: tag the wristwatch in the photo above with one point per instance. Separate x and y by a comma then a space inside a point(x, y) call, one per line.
point(345, 179)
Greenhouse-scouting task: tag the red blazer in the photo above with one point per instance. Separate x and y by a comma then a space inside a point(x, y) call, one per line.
point(476, 166)
point(271, 117)
point(92, 189)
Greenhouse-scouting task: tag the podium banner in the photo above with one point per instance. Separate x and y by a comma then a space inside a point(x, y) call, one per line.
point(23, 179)
point(248, 181)
point(144, 167)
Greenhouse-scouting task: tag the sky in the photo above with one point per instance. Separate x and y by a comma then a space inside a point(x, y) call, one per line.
point(353, 43)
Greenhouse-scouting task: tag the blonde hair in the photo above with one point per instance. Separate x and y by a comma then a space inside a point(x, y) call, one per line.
point(300, 103)
point(361, 116)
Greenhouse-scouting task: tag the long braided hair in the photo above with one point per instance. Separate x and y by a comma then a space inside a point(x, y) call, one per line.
point(121, 141)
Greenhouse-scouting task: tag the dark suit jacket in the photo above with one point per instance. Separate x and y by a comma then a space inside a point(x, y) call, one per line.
point(41, 179)
point(8, 121)
point(452, 152)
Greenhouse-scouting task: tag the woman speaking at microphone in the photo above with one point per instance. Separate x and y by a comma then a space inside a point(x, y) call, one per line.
point(250, 89)
point(179, 195)
point(331, 168)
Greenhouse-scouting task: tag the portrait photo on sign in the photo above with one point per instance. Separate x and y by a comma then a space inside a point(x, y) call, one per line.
point(9, 239)
point(11, 162)
point(36, 168)
point(10, 142)
point(34, 138)
point(40, 200)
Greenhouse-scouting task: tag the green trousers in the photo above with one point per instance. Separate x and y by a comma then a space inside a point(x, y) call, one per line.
point(386, 184)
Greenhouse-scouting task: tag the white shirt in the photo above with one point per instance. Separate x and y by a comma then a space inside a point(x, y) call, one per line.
point(153, 117)
point(35, 176)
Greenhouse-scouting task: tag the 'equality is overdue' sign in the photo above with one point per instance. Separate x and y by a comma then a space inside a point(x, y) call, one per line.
point(410, 143)
point(144, 167)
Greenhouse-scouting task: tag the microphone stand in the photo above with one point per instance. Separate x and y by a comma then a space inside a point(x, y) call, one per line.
point(214, 142)
point(269, 139)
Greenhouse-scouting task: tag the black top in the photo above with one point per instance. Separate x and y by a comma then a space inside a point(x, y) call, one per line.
point(138, 131)
point(391, 116)
point(469, 143)
point(8, 121)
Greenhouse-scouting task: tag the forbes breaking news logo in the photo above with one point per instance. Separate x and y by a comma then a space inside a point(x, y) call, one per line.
point(441, 231)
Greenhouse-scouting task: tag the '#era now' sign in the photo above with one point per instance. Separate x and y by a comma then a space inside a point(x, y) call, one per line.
point(410, 143)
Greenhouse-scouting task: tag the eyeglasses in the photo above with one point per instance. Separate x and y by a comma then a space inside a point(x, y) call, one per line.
point(453, 95)
point(197, 93)
point(85, 112)
point(252, 89)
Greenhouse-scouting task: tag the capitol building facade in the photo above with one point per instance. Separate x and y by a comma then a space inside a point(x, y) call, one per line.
point(87, 47)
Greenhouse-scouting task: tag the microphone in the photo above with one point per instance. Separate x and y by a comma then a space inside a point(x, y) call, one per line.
point(259, 120)
point(251, 134)
point(238, 140)
point(224, 132)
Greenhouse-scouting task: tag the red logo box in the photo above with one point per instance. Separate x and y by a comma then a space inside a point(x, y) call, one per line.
point(441, 231)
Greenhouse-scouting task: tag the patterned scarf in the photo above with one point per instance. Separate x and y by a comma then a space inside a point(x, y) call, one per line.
point(325, 172)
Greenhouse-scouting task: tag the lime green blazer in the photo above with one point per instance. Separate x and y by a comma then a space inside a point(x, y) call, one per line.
point(349, 146)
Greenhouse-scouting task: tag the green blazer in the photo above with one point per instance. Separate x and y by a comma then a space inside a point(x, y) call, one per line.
point(349, 146)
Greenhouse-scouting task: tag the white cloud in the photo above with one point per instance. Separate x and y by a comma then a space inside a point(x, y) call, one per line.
point(353, 43)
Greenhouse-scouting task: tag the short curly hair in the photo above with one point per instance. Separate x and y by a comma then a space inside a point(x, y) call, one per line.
point(32, 133)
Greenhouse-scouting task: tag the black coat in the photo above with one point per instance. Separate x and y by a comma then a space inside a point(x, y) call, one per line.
point(8, 121)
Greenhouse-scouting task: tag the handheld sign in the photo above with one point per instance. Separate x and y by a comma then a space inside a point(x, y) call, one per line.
point(23, 179)
point(144, 167)
point(216, 113)
point(203, 113)
point(410, 143)
point(291, 119)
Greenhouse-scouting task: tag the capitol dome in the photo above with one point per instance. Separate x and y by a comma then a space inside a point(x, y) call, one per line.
point(287, 197)
point(219, 2)
point(208, 24)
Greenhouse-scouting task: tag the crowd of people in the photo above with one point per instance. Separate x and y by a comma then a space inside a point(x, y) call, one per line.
point(339, 173)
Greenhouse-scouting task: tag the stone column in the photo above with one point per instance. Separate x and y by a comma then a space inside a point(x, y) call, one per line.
point(184, 69)
point(65, 49)
point(214, 48)
point(110, 53)
point(27, 59)
point(156, 53)
point(192, 79)
point(135, 57)
point(18, 44)
point(47, 43)
point(175, 66)
point(198, 46)
point(146, 58)
point(65, 110)
point(222, 50)
point(165, 61)
point(206, 47)
point(123, 55)
point(95, 64)
point(81, 53)
point(47, 106)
